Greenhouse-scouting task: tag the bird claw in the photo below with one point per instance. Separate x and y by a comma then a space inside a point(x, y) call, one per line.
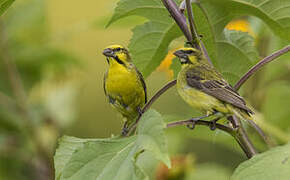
point(213, 124)
point(192, 123)
point(125, 131)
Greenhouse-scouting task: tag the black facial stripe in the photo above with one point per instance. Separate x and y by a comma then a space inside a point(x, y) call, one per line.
point(118, 60)
point(119, 49)
point(188, 51)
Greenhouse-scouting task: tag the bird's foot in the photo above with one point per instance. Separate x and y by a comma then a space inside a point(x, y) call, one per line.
point(125, 129)
point(213, 124)
point(192, 123)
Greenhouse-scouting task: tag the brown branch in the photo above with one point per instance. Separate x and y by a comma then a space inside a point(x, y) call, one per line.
point(238, 132)
point(178, 17)
point(201, 122)
point(242, 137)
point(158, 94)
point(197, 42)
point(149, 104)
point(195, 36)
point(259, 65)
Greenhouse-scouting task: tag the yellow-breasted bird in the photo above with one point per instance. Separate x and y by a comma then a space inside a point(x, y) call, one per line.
point(202, 87)
point(124, 85)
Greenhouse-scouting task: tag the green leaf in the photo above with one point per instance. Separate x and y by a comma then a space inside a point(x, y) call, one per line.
point(274, 13)
point(4, 5)
point(149, 44)
point(276, 105)
point(113, 157)
point(150, 135)
point(272, 164)
point(150, 9)
point(236, 54)
point(67, 146)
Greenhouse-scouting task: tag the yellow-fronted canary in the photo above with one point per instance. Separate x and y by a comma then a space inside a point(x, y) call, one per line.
point(204, 88)
point(124, 85)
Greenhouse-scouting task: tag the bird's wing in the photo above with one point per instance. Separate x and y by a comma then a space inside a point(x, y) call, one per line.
point(140, 76)
point(213, 84)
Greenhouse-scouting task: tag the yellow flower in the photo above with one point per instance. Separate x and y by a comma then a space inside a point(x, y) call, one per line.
point(240, 25)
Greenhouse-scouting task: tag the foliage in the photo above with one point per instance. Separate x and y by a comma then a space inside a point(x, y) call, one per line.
point(113, 157)
point(275, 160)
point(28, 130)
point(4, 5)
point(31, 121)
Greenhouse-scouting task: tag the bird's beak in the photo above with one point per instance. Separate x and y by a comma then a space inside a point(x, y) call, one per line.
point(180, 54)
point(108, 52)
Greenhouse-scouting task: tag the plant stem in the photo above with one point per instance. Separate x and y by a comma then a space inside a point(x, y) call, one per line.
point(201, 122)
point(181, 22)
point(242, 138)
point(158, 94)
point(192, 26)
point(238, 133)
point(150, 102)
point(259, 65)
point(178, 17)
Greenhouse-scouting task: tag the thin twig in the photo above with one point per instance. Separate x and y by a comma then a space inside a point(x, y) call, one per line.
point(178, 17)
point(262, 134)
point(150, 102)
point(238, 133)
point(242, 138)
point(259, 65)
point(181, 22)
point(158, 94)
point(192, 25)
point(203, 123)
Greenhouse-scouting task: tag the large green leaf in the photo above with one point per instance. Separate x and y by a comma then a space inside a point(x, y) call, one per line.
point(276, 105)
point(112, 158)
point(150, 9)
point(149, 44)
point(236, 54)
point(273, 164)
point(4, 5)
point(274, 13)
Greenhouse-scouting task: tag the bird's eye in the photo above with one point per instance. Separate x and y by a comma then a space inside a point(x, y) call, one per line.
point(117, 49)
point(188, 51)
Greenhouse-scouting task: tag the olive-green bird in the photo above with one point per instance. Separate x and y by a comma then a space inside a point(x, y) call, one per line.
point(124, 85)
point(202, 87)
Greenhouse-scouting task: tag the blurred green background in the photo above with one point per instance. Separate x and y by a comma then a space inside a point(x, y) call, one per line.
point(55, 48)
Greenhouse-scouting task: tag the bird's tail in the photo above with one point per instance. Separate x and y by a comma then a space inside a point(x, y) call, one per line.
point(249, 120)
